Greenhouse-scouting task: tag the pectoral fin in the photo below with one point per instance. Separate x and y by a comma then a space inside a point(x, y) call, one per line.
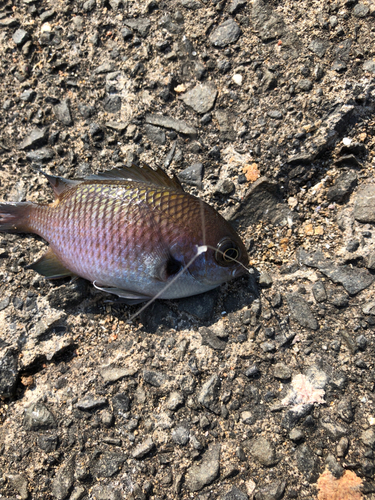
point(131, 297)
point(50, 266)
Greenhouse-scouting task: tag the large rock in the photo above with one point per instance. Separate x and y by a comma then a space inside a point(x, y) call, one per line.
point(206, 472)
point(364, 206)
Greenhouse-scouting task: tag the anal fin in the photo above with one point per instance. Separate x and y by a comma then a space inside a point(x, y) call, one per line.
point(130, 298)
point(50, 266)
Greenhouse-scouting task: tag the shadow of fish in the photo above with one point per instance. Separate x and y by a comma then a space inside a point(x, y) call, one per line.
point(132, 232)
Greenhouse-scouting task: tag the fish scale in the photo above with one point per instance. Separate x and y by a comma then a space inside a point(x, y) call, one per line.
point(130, 231)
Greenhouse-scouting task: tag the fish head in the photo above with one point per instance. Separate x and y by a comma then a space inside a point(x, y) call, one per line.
point(225, 257)
point(211, 254)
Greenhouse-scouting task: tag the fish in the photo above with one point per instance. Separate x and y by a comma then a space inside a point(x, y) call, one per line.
point(131, 231)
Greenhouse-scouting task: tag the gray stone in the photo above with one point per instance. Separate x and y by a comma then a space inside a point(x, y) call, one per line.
point(319, 291)
point(281, 371)
point(352, 245)
point(226, 125)
point(155, 134)
point(235, 494)
point(305, 85)
point(249, 417)
point(121, 404)
point(235, 6)
point(192, 175)
point(369, 66)
point(225, 34)
point(8, 22)
point(275, 114)
point(8, 371)
point(108, 465)
point(180, 435)
point(36, 138)
point(269, 80)
point(19, 483)
point(143, 448)
point(353, 279)
point(89, 403)
point(177, 125)
point(106, 67)
point(112, 103)
point(307, 463)
point(42, 155)
point(156, 379)
point(200, 98)
point(199, 476)
point(63, 114)
point(28, 95)
point(266, 21)
point(333, 466)
point(342, 50)
point(209, 394)
point(111, 374)
point(296, 435)
point(20, 36)
point(86, 110)
point(294, 415)
point(38, 417)
point(333, 21)
point(368, 437)
point(174, 401)
point(272, 491)
point(364, 206)
point(263, 451)
point(140, 25)
point(48, 442)
point(319, 47)
point(120, 127)
point(361, 10)
point(339, 66)
point(262, 202)
point(335, 430)
point(343, 186)
point(300, 311)
point(96, 131)
point(225, 186)
point(369, 308)
point(191, 4)
point(89, 5)
point(47, 14)
point(209, 338)
point(63, 481)
point(342, 447)
point(107, 418)
point(265, 279)
point(78, 493)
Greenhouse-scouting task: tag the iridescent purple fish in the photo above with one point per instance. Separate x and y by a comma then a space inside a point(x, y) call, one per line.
point(131, 231)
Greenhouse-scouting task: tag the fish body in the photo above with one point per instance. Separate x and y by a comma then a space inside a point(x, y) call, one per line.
point(130, 231)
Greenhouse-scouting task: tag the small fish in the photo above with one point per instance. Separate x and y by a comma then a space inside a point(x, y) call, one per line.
point(133, 232)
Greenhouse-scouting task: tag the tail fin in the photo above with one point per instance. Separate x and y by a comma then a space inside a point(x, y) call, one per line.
point(14, 217)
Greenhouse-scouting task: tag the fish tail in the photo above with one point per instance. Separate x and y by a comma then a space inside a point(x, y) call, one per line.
point(15, 217)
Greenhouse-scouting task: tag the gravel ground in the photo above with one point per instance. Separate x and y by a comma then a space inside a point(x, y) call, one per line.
point(263, 388)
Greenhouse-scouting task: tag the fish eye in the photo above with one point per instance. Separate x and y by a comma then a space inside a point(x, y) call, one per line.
point(227, 252)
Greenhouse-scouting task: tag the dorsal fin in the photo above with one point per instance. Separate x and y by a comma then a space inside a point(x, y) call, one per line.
point(59, 184)
point(140, 174)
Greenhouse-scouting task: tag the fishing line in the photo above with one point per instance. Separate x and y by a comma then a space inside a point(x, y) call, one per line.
point(200, 249)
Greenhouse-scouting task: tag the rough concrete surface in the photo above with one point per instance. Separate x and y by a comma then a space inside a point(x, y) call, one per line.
point(265, 110)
